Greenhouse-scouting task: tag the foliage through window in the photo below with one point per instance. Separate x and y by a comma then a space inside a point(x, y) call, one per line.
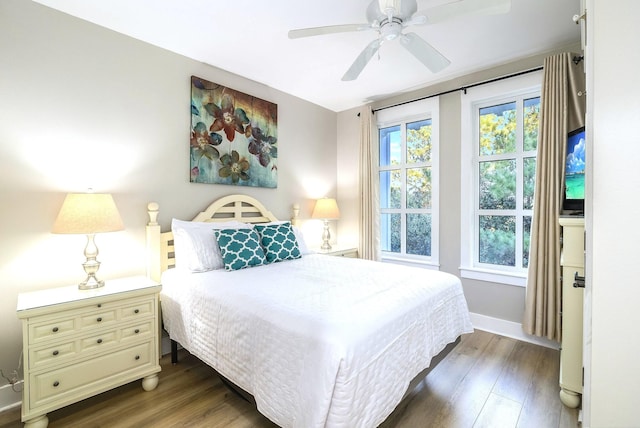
point(507, 135)
point(407, 189)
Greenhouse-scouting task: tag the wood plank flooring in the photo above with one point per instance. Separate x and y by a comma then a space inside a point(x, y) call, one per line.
point(486, 381)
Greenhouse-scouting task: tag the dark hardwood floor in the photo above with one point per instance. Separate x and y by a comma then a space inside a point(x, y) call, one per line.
point(486, 381)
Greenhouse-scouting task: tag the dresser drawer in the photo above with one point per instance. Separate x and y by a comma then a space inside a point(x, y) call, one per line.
point(100, 340)
point(138, 331)
point(68, 382)
point(98, 318)
point(137, 308)
point(54, 354)
point(59, 328)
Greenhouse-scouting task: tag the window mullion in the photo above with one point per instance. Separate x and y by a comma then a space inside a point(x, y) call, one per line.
point(403, 180)
point(519, 180)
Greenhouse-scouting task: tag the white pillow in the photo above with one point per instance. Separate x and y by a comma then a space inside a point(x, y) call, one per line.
point(302, 246)
point(195, 245)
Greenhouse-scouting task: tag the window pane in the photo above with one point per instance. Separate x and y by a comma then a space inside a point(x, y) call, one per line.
point(390, 189)
point(529, 176)
point(498, 129)
point(419, 234)
point(419, 141)
point(497, 240)
point(531, 116)
point(526, 240)
point(390, 232)
point(390, 146)
point(419, 187)
point(498, 185)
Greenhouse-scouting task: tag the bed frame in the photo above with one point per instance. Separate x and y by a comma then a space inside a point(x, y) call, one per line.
point(160, 257)
point(160, 250)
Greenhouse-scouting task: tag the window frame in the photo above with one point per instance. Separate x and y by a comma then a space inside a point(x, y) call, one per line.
point(403, 115)
point(517, 88)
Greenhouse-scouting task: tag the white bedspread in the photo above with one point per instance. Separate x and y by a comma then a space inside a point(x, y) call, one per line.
point(320, 341)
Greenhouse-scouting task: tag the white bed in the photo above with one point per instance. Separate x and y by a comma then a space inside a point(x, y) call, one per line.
point(317, 341)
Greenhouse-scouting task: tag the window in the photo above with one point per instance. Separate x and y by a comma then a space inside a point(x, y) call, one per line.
point(408, 140)
point(499, 163)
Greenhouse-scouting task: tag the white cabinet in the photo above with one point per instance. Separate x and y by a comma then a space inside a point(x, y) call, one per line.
point(572, 262)
point(79, 343)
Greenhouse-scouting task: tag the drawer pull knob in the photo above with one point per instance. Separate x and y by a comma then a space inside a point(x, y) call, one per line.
point(137, 357)
point(99, 305)
point(99, 340)
point(99, 319)
point(136, 311)
point(136, 331)
point(56, 384)
point(55, 352)
point(55, 329)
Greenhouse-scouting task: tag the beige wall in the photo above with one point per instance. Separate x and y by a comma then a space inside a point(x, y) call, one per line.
point(82, 106)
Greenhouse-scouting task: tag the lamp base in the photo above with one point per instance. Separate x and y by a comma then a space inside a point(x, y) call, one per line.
point(90, 283)
point(91, 266)
point(325, 246)
point(326, 237)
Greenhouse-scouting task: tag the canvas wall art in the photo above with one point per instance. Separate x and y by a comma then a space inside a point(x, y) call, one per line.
point(233, 137)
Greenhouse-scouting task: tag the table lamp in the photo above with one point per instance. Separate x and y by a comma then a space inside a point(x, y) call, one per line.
point(88, 213)
point(326, 209)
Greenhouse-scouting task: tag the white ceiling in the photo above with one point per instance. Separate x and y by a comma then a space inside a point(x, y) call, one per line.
point(249, 38)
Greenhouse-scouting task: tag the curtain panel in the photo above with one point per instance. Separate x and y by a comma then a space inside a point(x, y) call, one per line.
point(562, 110)
point(369, 236)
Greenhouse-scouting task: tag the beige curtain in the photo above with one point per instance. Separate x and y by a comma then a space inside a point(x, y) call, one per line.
point(562, 109)
point(369, 245)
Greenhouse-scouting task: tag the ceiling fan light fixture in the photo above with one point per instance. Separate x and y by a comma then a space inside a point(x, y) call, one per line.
point(390, 30)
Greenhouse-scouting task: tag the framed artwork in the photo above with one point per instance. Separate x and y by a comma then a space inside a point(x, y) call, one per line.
point(233, 137)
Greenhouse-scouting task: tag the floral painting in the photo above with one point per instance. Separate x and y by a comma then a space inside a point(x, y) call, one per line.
point(233, 137)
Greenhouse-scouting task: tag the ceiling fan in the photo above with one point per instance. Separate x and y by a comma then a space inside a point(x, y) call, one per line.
point(390, 17)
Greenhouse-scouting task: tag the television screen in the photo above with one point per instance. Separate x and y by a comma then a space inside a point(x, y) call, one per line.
point(574, 171)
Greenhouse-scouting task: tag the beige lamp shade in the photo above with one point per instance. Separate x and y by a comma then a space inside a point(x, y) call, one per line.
point(88, 213)
point(326, 208)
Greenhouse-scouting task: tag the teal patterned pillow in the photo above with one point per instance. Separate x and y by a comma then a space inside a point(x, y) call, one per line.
point(240, 248)
point(279, 242)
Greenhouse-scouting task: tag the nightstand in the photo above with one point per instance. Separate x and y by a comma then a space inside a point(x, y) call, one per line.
point(79, 343)
point(340, 251)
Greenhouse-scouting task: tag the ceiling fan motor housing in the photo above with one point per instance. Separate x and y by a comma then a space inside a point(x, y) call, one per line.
point(389, 30)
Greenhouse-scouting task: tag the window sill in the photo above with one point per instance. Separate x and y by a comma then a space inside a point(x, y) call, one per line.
point(411, 262)
point(508, 278)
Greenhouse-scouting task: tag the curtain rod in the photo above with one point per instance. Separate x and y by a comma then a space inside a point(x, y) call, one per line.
point(461, 88)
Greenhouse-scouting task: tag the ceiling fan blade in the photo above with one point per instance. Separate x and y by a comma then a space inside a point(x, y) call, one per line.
point(424, 52)
point(330, 29)
point(457, 9)
point(361, 61)
point(415, 20)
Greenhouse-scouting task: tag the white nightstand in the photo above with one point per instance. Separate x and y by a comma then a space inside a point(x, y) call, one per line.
point(339, 250)
point(79, 343)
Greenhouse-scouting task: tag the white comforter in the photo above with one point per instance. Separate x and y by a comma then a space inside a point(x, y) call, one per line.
point(320, 341)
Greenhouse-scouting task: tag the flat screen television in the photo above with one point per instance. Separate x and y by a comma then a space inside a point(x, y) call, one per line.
point(574, 172)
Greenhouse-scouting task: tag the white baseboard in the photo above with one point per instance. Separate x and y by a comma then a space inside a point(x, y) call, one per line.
point(10, 398)
point(509, 329)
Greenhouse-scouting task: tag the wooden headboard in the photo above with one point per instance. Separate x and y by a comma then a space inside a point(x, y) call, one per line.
point(160, 250)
